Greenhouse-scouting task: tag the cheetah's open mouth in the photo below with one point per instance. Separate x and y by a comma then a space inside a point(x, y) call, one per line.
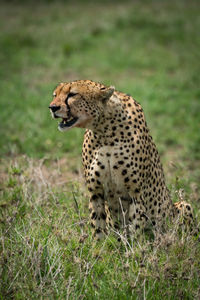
point(66, 123)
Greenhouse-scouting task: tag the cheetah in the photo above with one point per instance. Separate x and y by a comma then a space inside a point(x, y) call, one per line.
point(121, 163)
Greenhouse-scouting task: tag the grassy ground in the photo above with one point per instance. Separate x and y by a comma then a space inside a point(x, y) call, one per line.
point(149, 49)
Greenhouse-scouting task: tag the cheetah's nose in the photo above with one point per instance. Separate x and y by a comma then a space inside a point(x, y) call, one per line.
point(54, 108)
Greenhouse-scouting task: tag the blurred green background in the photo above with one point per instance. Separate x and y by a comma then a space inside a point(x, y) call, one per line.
point(149, 49)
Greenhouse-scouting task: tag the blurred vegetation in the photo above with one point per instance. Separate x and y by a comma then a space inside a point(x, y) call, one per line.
point(149, 49)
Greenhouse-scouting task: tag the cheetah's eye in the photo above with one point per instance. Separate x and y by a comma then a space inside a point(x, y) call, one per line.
point(71, 95)
point(54, 94)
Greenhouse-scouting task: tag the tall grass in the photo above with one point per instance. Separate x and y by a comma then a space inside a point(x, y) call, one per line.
point(47, 250)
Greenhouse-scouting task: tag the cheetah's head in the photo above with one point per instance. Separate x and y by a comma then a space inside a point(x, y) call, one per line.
point(79, 103)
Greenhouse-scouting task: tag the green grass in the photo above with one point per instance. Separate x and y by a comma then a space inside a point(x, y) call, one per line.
point(149, 49)
point(47, 249)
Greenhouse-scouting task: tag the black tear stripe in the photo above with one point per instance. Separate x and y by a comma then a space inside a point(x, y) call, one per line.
point(69, 96)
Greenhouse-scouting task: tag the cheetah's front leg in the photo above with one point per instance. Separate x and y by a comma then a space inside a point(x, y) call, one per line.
point(119, 213)
point(97, 214)
point(137, 215)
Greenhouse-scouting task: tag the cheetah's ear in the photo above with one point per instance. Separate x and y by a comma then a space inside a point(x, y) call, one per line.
point(106, 92)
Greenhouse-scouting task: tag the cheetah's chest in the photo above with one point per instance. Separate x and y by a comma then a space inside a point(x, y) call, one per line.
point(103, 168)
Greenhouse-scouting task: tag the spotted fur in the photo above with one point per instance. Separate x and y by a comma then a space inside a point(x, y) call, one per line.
point(121, 163)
